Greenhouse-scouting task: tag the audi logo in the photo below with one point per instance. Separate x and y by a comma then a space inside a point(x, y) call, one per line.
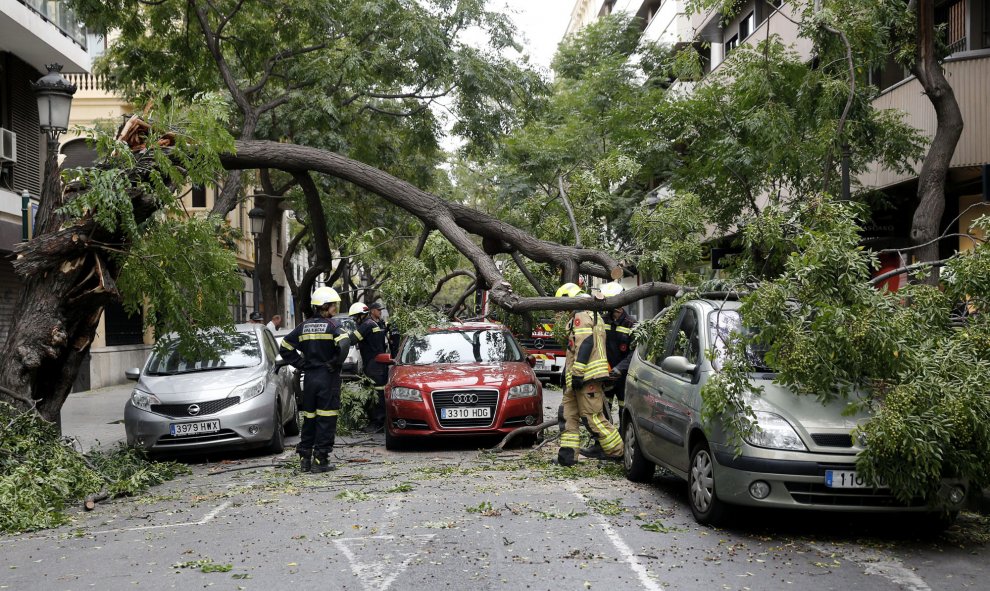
point(193, 410)
point(465, 399)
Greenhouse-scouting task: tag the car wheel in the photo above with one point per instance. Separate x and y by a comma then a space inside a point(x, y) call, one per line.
point(277, 443)
point(705, 505)
point(392, 442)
point(930, 525)
point(638, 468)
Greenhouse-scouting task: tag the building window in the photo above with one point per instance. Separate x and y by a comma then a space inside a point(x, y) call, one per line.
point(731, 44)
point(122, 328)
point(953, 16)
point(198, 196)
point(747, 25)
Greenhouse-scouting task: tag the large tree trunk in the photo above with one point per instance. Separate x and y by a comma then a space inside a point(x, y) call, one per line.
point(925, 226)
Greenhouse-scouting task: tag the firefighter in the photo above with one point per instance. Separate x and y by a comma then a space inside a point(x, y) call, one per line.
point(585, 369)
point(619, 346)
point(372, 337)
point(318, 347)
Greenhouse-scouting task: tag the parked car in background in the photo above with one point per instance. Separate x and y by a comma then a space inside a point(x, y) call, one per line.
point(803, 455)
point(467, 379)
point(237, 398)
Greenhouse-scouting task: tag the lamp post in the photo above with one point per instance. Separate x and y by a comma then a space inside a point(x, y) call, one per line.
point(54, 94)
point(257, 216)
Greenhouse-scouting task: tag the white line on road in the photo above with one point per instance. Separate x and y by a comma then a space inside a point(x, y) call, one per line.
point(378, 572)
point(206, 519)
point(881, 565)
point(624, 550)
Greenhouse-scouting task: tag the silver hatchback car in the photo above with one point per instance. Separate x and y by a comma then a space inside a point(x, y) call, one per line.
point(239, 399)
point(803, 455)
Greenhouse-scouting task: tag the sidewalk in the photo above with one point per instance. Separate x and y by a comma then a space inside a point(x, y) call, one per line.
point(96, 417)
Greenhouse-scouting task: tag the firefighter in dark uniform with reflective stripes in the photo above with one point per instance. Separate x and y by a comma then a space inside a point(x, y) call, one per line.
point(619, 344)
point(318, 346)
point(372, 338)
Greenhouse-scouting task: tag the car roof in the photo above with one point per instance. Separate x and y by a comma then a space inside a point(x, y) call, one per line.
point(720, 304)
point(465, 326)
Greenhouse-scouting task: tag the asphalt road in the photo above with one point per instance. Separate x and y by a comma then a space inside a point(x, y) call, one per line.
point(447, 516)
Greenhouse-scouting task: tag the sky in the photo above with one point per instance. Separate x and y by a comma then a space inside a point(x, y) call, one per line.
point(541, 24)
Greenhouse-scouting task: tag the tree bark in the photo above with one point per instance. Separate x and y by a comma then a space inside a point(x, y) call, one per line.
point(453, 220)
point(935, 166)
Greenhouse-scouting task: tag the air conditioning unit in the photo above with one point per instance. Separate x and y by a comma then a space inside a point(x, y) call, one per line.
point(8, 145)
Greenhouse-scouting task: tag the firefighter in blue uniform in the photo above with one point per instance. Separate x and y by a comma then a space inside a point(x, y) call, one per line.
point(372, 338)
point(319, 347)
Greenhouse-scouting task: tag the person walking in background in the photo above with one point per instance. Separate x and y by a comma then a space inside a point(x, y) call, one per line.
point(274, 324)
point(256, 318)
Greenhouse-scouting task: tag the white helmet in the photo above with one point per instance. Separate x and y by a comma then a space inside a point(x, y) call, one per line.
point(610, 289)
point(324, 295)
point(358, 308)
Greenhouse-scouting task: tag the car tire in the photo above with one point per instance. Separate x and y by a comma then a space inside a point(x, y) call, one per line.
point(638, 468)
point(393, 442)
point(705, 505)
point(276, 444)
point(931, 525)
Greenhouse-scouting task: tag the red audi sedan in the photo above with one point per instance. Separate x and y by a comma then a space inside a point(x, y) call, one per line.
point(467, 379)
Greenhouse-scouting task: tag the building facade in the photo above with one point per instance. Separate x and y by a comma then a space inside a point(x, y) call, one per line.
point(967, 28)
point(32, 33)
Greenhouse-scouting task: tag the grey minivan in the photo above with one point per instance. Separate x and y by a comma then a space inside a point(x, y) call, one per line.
point(803, 455)
point(237, 399)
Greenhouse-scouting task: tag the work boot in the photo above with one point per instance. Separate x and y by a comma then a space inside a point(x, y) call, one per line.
point(566, 456)
point(594, 452)
point(321, 464)
point(305, 464)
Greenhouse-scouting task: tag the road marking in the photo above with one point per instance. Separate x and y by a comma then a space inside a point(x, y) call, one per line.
point(206, 519)
point(628, 556)
point(881, 565)
point(378, 573)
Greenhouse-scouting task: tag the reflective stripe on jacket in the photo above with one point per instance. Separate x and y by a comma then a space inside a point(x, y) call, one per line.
point(586, 353)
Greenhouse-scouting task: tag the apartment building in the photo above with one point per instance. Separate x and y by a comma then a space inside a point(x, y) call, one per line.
point(33, 33)
point(967, 28)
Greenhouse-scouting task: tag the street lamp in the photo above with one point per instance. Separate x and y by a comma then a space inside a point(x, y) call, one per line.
point(54, 94)
point(257, 217)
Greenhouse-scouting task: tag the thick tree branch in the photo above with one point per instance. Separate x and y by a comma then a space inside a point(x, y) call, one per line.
point(902, 270)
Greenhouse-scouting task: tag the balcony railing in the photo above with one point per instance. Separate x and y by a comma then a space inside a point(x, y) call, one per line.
point(55, 12)
point(86, 82)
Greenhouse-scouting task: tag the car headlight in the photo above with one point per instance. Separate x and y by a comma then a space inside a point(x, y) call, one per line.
point(143, 400)
point(249, 390)
point(522, 391)
point(774, 432)
point(400, 393)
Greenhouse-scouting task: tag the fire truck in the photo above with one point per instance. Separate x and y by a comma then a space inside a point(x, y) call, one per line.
point(549, 354)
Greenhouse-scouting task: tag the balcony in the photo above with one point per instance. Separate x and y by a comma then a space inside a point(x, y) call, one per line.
point(55, 12)
point(43, 31)
point(969, 75)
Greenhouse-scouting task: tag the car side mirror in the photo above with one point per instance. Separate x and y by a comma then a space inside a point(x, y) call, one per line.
point(384, 359)
point(677, 364)
point(531, 360)
point(133, 374)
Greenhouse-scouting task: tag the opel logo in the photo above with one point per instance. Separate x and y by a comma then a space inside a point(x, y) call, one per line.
point(538, 344)
point(465, 399)
point(193, 410)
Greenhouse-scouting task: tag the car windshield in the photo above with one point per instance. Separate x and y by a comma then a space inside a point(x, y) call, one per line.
point(726, 325)
point(232, 351)
point(345, 322)
point(460, 346)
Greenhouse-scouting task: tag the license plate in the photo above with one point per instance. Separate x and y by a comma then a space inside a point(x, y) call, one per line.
point(542, 365)
point(466, 412)
point(199, 428)
point(847, 479)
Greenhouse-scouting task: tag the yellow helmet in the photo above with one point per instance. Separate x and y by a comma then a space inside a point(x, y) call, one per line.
point(610, 289)
point(324, 295)
point(568, 290)
point(358, 308)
